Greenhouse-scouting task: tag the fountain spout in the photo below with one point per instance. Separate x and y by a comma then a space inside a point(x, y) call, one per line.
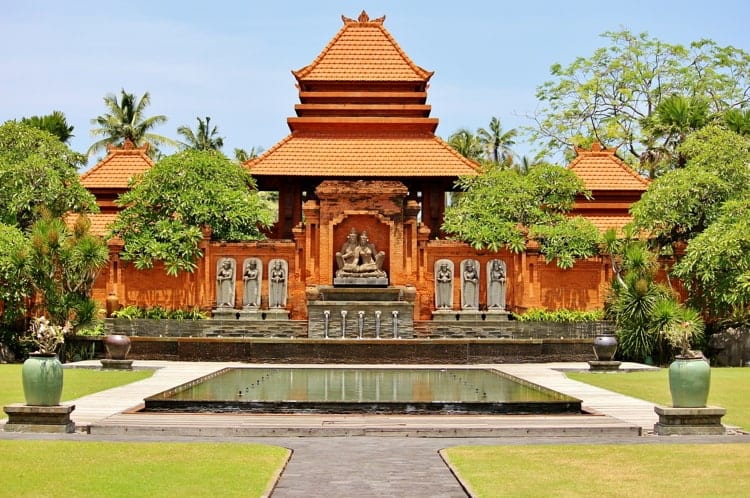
point(326, 322)
point(360, 323)
point(377, 324)
point(395, 324)
point(343, 324)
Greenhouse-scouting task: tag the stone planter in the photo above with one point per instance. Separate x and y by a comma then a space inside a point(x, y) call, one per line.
point(117, 346)
point(42, 376)
point(689, 382)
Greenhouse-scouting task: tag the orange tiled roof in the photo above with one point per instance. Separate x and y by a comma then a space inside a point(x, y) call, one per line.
point(600, 169)
point(362, 50)
point(604, 223)
point(115, 170)
point(342, 155)
point(99, 222)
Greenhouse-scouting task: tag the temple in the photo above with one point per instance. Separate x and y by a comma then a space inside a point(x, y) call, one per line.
point(362, 158)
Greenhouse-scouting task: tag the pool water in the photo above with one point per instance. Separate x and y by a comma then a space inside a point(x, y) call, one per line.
point(362, 390)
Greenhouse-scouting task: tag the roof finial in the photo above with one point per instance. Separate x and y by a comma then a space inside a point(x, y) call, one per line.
point(363, 18)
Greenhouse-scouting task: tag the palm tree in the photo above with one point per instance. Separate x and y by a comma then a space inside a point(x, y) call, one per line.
point(672, 120)
point(126, 121)
point(201, 138)
point(243, 155)
point(467, 144)
point(55, 123)
point(738, 121)
point(497, 143)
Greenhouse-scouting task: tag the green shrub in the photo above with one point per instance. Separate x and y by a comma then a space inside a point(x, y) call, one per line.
point(560, 316)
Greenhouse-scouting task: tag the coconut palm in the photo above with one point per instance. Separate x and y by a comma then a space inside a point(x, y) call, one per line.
point(55, 123)
point(203, 138)
point(125, 120)
point(738, 121)
point(467, 144)
point(497, 143)
point(243, 155)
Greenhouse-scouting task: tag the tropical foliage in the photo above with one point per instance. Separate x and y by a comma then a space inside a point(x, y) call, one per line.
point(491, 146)
point(505, 209)
point(705, 207)
point(560, 316)
point(55, 123)
point(125, 119)
point(203, 138)
point(168, 207)
point(641, 94)
point(37, 170)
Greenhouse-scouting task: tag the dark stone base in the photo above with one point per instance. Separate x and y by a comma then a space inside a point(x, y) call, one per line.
point(30, 418)
point(116, 364)
point(689, 421)
point(225, 314)
point(360, 282)
point(450, 315)
point(277, 314)
point(603, 366)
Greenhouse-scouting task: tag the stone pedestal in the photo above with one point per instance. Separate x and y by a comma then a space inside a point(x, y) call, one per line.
point(111, 364)
point(360, 282)
point(252, 314)
point(225, 313)
point(604, 365)
point(689, 421)
point(277, 314)
point(29, 418)
point(444, 315)
point(496, 315)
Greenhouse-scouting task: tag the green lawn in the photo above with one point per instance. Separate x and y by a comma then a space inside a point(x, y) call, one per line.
point(77, 382)
point(730, 389)
point(82, 469)
point(642, 470)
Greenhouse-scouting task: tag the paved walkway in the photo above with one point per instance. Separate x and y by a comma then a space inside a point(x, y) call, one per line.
point(368, 466)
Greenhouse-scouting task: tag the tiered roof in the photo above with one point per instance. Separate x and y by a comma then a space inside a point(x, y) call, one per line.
point(362, 113)
point(613, 184)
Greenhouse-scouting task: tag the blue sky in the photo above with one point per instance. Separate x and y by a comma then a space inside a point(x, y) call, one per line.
point(232, 60)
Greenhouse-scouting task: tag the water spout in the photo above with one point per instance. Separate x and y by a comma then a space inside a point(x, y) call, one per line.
point(360, 323)
point(377, 324)
point(395, 324)
point(326, 321)
point(343, 324)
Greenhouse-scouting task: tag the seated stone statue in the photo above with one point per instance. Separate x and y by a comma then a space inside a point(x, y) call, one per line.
point(359, 259)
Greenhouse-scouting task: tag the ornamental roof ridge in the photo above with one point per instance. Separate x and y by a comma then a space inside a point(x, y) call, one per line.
point(112, 172)
point(350, 25)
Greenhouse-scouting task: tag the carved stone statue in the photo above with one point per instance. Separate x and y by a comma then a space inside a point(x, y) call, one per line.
point(358, 258)
point(497, 276)
point(225, 280)
point(277, 283)
point(444, 284)
point(252, 276)
point(470, 285)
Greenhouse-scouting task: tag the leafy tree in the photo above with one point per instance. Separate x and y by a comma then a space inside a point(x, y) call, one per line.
point(683, 203)
point(738, 120)
point(170, 204)
point(503, 208)
point(55, 123)
point(497, 143)
point(203, 138)
point(608, 95)
point(15, 273)
point(125, 120)
point(38, 171)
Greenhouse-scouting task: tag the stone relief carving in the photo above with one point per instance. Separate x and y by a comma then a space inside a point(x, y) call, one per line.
point(443, 284)
point(225, 281)
point(496, 282)
point(277, 283)
point(470, 284)
point(252, 277)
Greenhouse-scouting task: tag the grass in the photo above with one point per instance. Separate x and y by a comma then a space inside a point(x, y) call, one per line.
point(642, 470)
point(730, 389)
point(77, 382)
point(81, 469)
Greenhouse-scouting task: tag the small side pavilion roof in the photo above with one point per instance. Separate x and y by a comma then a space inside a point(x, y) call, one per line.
point(118, 167)
point(600, 169)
